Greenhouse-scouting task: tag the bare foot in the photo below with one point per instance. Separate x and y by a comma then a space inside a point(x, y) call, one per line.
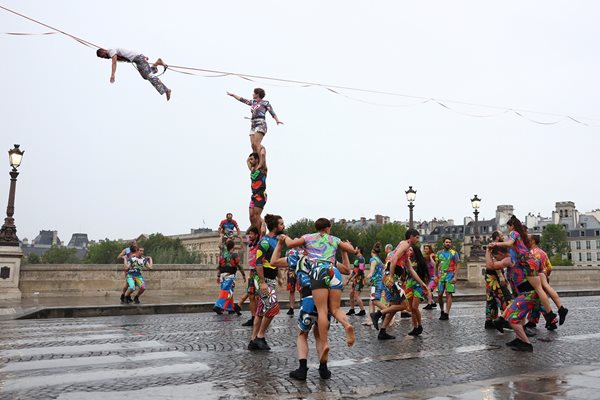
point(168, 93)
point(324, 354)
point(350, 338)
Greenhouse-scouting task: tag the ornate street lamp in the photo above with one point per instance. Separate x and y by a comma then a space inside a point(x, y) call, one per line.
point(8, 232)
point(411, 195)
point(476, 250)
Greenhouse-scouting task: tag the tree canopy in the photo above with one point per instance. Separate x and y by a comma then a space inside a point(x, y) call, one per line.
point(60, 255)
point(554, 240)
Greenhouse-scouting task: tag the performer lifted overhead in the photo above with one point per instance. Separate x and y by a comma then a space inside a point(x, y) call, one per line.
point(258, 108)
point(147, 71)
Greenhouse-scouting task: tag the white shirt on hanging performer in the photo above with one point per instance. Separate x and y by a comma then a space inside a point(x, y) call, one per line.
point(128, 54)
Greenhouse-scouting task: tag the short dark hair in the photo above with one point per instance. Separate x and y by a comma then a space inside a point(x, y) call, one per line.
point(254, 155)
point(252, 229)
point(229, 214)
point(100, 53)
point(260, 92)
point(411, 232)
point(322, 223)
point(496, 235)
point(230, 244)
point(447, 238)
point(376, 248)
point(272, 221)
point(536, 239)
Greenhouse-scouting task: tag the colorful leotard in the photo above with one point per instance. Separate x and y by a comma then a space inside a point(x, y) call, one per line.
point(321, 249)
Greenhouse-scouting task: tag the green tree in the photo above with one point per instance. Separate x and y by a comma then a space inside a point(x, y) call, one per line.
point(60, 255)
point(33, 259)
point(554, 240)
point(391, 234)
point(300, 227)
point(105, 252)
point(559, 260)
point(165, 250)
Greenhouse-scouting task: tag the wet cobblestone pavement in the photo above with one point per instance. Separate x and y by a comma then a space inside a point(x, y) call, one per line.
point(184, 356)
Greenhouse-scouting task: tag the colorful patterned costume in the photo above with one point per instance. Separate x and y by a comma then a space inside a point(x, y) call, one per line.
point(134, 272)
point(546, 269)
point(321, 250)
point(258, 179)
point(376, 277)
point(253, 283)
point(358, 274)
point(228, 266)
point(498, 296)
point(228, 227)
point(527, 298)
point(259, 109)
point(267, 305)
point(448, 261)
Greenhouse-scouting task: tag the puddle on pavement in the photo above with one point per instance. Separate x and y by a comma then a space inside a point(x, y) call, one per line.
point(80, 348)
point(70, 338)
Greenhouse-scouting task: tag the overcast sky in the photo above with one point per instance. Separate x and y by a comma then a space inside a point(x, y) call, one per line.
point(118, 160)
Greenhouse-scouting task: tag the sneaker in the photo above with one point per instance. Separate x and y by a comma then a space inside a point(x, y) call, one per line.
point(291, 312)
point(250, 322)
point(375, 319)
point(128, 300)
point(299, 374)
point(444, 317)
point(499, 324)
point(530, 332)
point(551, 327)
point(361, 313)
point(441, 318)
point(489, 324)
point(513, 342)
point(237, 309)
point(405, 314)
point(562, 315)
point(324, 372)
point(385, 336)
point(419, 330)
point(428, 307)
point(218, 310)
point(522, 346)
point(551, 319)
point(413, 332)
point(350, 312)
point(261, 343)
point(434, 305)
point(252, 345)
point(136, 300)
point(530, 324)
point(122, 299)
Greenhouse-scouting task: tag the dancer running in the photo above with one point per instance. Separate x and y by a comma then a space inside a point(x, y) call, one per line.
point(267, 307)
point(448, 261)
point(498, 296)
point(259, 108)
point(252, 285)
point(416, 289)
point(545, 271)
point(147, 71)
point(357, 278)
point(526, 298)
point(374, 277)
point(257, 164)
point(432, 271)
point(518, 244)
point(229, 264)
point(134, 266)
point(326, 282)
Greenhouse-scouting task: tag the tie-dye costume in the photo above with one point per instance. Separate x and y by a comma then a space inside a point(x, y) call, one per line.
point(267, 305)
point(498, 296)
point(433, 277)
point(376, 278)
point(521, 255)
point(392, 287)
point(259, 109)
point(228, 266)
point(321, 250)
point(526, 298)
point(358, 274)
point(448, 261)
point(413, 289)
point(134, 272)
point(543, 260)
point(258, 184)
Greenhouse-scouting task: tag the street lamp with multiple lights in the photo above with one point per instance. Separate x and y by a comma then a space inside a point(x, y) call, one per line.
point(411, 195)
point(8, 232)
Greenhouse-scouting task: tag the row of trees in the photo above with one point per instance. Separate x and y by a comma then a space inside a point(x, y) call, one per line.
point(166, 250)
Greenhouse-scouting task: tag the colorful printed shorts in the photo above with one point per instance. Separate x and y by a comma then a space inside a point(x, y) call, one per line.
point(267, 302)
point(413, 289)
point(395, 294)
point(497, 297)
point(252, 284)
point(325, 275)
point(445, 283)
point(135, 281)
point(258, 125)
point(291, 281)
point(521, 306)
point(258, 200)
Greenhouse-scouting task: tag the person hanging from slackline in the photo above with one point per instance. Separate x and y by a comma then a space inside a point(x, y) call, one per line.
point(147, 71)
point(259, 108)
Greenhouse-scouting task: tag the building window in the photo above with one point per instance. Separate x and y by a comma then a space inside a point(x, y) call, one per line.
point(580, 257)
point(598, 256)
point(597, 233)
point(566, 213)
point(598, 244)
point(588, 245)
point(561, 213)
point(581, 233)
point(578, 245)
point(589, 256)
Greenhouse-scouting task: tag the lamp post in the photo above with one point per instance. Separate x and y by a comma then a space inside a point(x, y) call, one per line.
point(476, 250)
point(411, 195)
point(8, 232)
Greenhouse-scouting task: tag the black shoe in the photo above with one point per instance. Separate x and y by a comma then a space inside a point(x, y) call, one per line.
point(250, 322)
point(375, 319)
point(507, 325)
point(428, 307)
point(136, 300)
point(419, 330)
point(442, 313)
point(291, 312)
point(551, 327)
point(350, 312)
point(530, 324)
point(530, 332)
point(405, 314)
point(324, 372)
point(413, 332)
point(299, 374)
point(218, 310)
point(261, 343)
point(522, 346)
point(385, 336)
point(551, 319)
point(252, 345)
point(562, 315)
point(499, 324)
point(434, 305)
point(128, 300)
point(361, 313)
point(237, 309)
point(122, 299)
point(513, 342)
point(489, 324)
point(444, 316)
